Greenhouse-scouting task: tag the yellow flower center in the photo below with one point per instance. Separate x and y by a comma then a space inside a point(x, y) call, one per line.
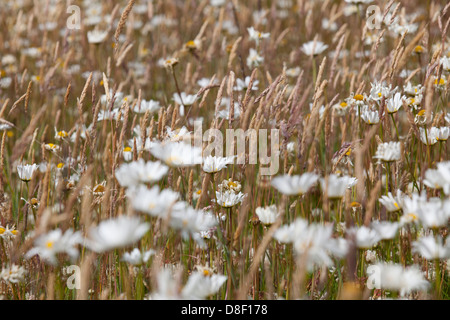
point(359, 97)
point(14, 232)
point(355, 204)
point(206, 273)
point(412, 216)
point(173, 159)
point(60, 165)
point(2, 230)
point(348, 152)
point(62, 134)
point(99, 188)
point(441, 82)
point(421, 113)
point(191, 44)
point(343, 104)
point(9, 133)
point(232, 184)
point(418, 49)
point(127, 149)
point(49, 244)
point(199, 191)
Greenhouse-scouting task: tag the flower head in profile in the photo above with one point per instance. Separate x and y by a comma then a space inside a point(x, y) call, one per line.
point(113, 233)
point(295, 185)
point(213, 164)
point(431, 248)
point(136, 172)
point(147, 106)
point(96, 36)
point(257, 35)
point(313, 242)
point(47, 246)
point(169, 63)
point(191, 222)
point(224, 111)
point(439, 178)
point(313, 48)
point(370, 116)
point(136, 257)
point(397, 278)
point(199, 286)
point(391, 203)
point(365, 237)
point(177, 154)
point(434, 213)
point(395, 103)
point(445, 62)
point(13, 274)
point(442, 133)
point(385, 229)
point(335, 186)
point(380, 91)
point(244, 84)
point(26, 171)
point(185, 99)
point(127, 153)
point(429, 136)
point(254, 59)
point(229, 198)
point(411, 90)
point(51, 147)
point(267, 215)
point(411, 208)
point(388, 151)
point(154, 202)
point(176, 135)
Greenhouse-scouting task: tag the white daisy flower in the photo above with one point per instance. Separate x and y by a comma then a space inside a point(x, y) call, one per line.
point(396, 277)
point(388, 151)
point(313, 48)
point(119, 232)
point(137, 258)
point(267, 215)
point(177, 154)
point(154, 202)
point(335, 186)
point(133, 173)
point(26, 171)
point(47, 246)
point(213, 164)
point(257, 35)
point(295, 185)
point(228, 198)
